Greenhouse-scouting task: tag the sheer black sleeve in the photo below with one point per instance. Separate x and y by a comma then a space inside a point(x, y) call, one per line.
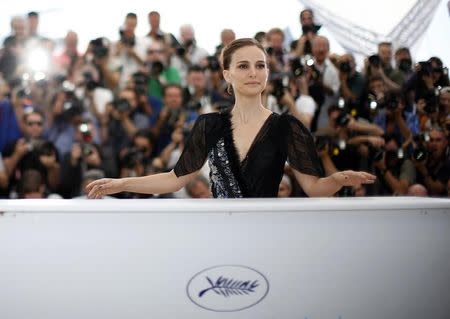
point(195, 150)
point(301, 149)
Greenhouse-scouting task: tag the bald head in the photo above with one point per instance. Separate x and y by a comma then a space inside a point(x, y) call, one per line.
point(320, 48)
point(417, 190)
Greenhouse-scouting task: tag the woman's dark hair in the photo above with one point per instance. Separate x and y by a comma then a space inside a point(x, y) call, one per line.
point(228, 51)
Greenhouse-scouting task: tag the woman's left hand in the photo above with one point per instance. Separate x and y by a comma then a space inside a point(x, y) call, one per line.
point(352, 178)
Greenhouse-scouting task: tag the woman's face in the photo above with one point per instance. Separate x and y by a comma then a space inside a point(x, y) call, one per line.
point(248, 71)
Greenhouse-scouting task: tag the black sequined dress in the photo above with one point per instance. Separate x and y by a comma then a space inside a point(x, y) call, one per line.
point(281, 138)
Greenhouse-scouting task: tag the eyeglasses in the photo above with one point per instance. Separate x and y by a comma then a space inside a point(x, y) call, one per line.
point(31, 123)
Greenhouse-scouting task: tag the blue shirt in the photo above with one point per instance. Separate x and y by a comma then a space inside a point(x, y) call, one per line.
point(9, 128)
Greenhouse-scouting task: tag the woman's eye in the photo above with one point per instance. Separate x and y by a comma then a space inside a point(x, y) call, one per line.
point(261, 66)
point(242, 66)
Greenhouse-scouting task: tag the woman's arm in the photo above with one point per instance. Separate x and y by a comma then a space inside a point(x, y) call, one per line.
point(328, 186)
point(152, 184)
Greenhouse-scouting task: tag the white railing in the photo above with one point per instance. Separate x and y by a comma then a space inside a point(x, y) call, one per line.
point(269, 258)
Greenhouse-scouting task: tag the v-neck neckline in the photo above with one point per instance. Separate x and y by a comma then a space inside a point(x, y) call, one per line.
point(252, 145)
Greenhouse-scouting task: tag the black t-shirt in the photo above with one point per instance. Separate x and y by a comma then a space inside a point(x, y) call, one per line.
point(259, 174)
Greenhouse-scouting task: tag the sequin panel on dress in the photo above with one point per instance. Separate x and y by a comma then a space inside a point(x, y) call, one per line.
point(223, 181)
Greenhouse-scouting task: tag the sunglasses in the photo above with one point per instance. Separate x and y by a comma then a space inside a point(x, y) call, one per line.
point(31, 123)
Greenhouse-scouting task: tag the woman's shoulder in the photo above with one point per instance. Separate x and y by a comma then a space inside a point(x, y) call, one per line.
point(290, 122)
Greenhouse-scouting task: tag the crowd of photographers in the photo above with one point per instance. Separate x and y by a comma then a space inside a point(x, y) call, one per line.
point(125, 108)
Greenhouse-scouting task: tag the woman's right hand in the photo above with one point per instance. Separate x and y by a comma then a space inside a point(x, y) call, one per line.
point(104, 186)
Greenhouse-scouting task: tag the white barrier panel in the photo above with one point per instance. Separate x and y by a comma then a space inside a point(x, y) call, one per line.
point(365, 258)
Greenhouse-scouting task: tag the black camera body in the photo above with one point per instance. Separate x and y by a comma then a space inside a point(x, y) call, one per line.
point(133, 157)
point(99, 47)
point(297, 67)
point(127, 41)
point(343, 119)
point(213, 63)
point(140, 81)
point(122, 105)
point(375, 60)
point(345, 67)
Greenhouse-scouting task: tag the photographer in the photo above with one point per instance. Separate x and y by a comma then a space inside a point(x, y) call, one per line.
point(380, 65)
point(11, 115)
point(352, 82)
point(226, 37)
point(275, 50)
point(32, 152)
point(172, 116)
point(433, 163)
point(69, 59)
point(130, 50)
point(197, 96)
point(396, 172)
point(83, 156)
point(188, 52)
point(403, 63)
point(290, 93)
point(156, 34)
point(160, 73)
point(347, 136)
point(327, 84)
point(122, 119)
point(309, 32)
point(136, 159)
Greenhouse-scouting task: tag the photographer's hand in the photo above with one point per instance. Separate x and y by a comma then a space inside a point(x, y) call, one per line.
point(49, 161)
point(21, 148)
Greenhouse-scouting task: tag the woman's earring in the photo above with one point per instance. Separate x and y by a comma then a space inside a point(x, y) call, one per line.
point(229, 89)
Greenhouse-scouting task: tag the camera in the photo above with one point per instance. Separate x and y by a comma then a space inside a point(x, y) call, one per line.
point(310, 28)
point(181, 50)
point(345, 67)
point(375, 153)
point(40, 147)
point(127, 41)
point(279, 84)
point(297, 68)
point(194, 105)
point(23, 92)
point(156, 68)
point(405, 65)
point(140, 80)
point(89, 81)
point(122, 105)
point(213, 63)
point(322, 141)
point(421, 138)
point(392, 101)
point(420, 154)
point(133, 157)
point(343, 119)
point(374, 60)
point(72, 106)
point(99, 47)
point(373, 103)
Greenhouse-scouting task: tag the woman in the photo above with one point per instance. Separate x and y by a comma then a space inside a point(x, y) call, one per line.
point(246, 146)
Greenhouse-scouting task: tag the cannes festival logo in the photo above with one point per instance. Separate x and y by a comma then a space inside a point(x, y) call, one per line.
point(227, 288)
